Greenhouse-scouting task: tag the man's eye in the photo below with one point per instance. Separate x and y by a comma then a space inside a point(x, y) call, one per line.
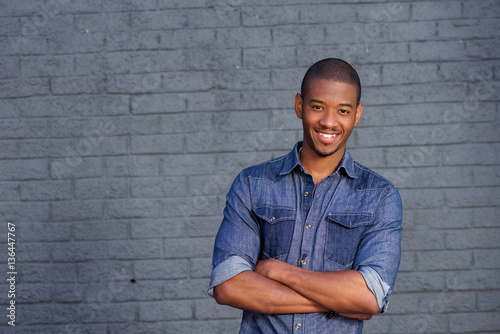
point(316, 107)
point(343, 111)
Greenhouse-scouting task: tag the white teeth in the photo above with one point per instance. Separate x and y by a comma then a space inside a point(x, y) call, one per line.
point(327, 136)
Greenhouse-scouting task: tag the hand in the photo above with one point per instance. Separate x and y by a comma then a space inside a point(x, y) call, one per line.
point(270, 268)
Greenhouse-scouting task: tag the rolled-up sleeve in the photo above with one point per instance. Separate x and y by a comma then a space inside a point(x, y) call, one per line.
point(237, 244)
point(379, 253)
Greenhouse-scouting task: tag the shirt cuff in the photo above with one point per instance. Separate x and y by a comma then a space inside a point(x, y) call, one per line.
point(227, 269)
point(377, 286)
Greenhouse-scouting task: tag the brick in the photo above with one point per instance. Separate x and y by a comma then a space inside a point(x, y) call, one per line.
point(102, 22)
point(69, 167)
point(25, 212)
point(203, 226)
point(77, 85)
point(188, 164)
point(178, 123)
point(158, 103)
point(423, 240)
point(444, 260)
point(445, 302)
point(186, 289)
point(145, 62)
point(212, 59)
point(158, 188)
point(422, 323)
point(129, 5)
point(488, 8)
point(165, 310)
point(207, 309)
point(154, 228)
point(473, 238)
point(210, 185)
point(212, 18)
point(419, 282)
point(471, 322)
point(478, 279)
point(133, 208)
point(38, 314)
point(486, 176)
point(95, 313)
point(99, 188)
point(436, 10)
point(269, 57)
point(138, 327)
point(466, 29)
point(470, 197)
point(157, 144)
point(24, 44)
point(423, 198)
point(486, 217)
point(187, 248)
point(486, 259)
point(46, 190)
point(53, 273)
point(159, 20)
point(189, 207)
point(134, 249)
point(243, 37)
point(448, 218)
point(435, 50)
point(37, 232)
point(102, 230)
point(133, 40)
point(34, 293)
point(488, 301)
point(23, 87)
point(291, 35)
point(78, 251)
point(161, 269)
point(481, 49)
point(77, 210)
point(74, 106)
point(104, 271)
point(9, 68)
point(187, 38)
point(24, 128)
point(33, 252)
point(403, 303)
point(120, 166)
point(409, 73)
point(246, 80)
point(10, 191)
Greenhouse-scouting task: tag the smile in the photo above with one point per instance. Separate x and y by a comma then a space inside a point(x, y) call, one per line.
point(327, 135)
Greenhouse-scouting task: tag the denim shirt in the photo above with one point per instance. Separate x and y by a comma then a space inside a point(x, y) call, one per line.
point(350, 220)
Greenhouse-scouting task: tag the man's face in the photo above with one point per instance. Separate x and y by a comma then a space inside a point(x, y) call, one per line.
point(329, 113)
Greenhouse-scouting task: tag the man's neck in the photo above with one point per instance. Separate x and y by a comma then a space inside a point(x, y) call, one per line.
point(319, 166)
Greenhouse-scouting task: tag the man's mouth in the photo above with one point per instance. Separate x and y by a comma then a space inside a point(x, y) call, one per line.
point(326, 135)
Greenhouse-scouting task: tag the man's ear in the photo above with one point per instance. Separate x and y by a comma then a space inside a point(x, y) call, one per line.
point(298, 105)
point(359, 110)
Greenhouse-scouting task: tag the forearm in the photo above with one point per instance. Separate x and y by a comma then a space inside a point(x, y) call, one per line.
point(253, 292)
point(343, 291)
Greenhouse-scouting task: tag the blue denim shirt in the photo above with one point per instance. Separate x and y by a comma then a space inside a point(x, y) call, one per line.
point(350, 220)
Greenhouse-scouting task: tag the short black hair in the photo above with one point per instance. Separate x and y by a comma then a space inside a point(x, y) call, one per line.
point(331, 69)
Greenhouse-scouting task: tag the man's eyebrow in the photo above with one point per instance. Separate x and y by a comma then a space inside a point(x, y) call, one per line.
point(347, 105)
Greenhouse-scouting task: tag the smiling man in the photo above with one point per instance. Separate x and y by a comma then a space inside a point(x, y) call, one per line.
point(310, 242)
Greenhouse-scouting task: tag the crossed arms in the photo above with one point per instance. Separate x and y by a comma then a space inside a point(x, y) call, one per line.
point(277, 287)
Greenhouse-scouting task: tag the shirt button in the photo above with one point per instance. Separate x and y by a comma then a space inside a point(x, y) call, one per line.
point(272, 219)
point(298, 326)
point(303, 262)
point(306, 194)
point(308, 226)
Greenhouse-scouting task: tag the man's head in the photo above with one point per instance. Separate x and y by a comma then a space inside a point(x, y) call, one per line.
point(331, 69)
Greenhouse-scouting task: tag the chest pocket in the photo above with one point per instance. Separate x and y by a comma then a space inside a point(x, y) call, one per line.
point(276, 226)
point(344, 232)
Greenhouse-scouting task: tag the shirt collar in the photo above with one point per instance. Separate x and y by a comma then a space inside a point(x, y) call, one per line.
point(292, 160)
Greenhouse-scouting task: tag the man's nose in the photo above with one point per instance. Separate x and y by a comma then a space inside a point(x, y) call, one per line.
point(329, 119)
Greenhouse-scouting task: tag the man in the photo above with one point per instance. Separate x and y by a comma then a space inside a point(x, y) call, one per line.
point(310, 242)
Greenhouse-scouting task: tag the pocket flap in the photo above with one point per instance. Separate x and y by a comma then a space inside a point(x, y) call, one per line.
point(274, 215)
point(351, 220)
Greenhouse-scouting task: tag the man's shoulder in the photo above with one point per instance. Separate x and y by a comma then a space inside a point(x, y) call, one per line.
point(371, 179)
point(267, 168)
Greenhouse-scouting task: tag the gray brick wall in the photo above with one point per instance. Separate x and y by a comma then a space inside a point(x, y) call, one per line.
point(123, 123)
